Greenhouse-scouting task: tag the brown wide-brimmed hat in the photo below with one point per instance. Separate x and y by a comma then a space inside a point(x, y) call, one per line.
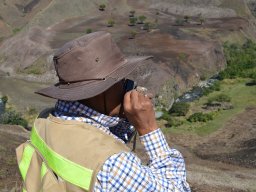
point(89, 65)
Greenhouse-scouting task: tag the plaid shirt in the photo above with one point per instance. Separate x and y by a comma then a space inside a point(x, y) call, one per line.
point(124, 171)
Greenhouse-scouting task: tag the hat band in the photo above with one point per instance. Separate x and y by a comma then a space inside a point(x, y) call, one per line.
point(77, 81)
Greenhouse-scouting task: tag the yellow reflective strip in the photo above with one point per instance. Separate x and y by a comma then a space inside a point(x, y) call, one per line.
point(66, 169)
point(25, 161)
point(43, 170)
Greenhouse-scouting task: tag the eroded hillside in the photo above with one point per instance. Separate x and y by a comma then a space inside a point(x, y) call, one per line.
point(185, 37)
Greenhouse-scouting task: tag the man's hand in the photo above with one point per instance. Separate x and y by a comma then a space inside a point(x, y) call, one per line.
point(139, 110)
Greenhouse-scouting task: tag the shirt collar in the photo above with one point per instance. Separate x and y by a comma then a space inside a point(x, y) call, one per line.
point(74, 110)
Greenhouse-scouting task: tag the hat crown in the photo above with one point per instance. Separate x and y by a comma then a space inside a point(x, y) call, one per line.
point(92, 56)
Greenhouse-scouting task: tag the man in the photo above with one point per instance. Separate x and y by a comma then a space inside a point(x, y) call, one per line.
point(80, 146)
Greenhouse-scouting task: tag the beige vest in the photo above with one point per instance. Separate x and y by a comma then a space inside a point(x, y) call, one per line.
point(62, 154)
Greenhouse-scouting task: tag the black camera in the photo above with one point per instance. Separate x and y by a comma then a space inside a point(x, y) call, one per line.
point(129, 85)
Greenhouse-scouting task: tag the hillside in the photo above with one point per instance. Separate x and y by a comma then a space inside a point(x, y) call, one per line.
point(185, 38)
point(185, 51)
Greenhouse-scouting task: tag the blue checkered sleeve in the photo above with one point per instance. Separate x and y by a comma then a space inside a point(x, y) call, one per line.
point(125, 172)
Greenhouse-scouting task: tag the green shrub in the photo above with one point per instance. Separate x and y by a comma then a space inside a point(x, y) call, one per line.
point(201, 20)
point(241, 60)
point(186, 18)
point(173, 122)
point(16, 30)
point(251, 83)
point(132, 34)
point(102, 7)
point(141, 19)
point(214, 87)
point(13, 118)
point(4, 99)
point(180, 109)
point(88, 31)
point(219, 98)
point(179, 22)
point(166, 115)
point(200, 117)
point(146, 26)
point(111, 23)
point(182, 56)
point(132, 13)
point(31, 111)
point(132, 21)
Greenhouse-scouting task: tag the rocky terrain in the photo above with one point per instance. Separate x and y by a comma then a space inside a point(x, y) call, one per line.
point(185, 38)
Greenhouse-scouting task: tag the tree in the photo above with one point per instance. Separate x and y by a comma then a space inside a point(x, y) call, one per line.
point(132, 34)
point(111, 23)
point(88, 31)
point(186, 18)
point(13, 118)
point(132, 13)
point(141, 19)
point(202, 20)
point(200, 117)
point(132, 21)
point(179, 22)
point(180, 108)
point(219, 98)
point(102, 7)
point(4, 99)
point(146, 26)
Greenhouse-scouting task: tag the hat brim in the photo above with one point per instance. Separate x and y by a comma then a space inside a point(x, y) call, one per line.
point(88, 89)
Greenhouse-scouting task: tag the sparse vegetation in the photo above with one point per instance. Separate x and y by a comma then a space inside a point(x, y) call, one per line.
point(174, 122)
point(182, 56)
point(132, 13)
point(219, 98)
point(186, 18)
point(30, 115)
point(37, 68)
point(251, 83)
point(88, 31)
point(200, 117)
point(201, 20)
point(252, 6)
point(102, 7)
point(141, 19)
point(4, 99)
point(179, 22)
point(132, 34)
point(16, 30)
point(132, 21)
point(146, 26)
point(180, 109)
point(214, 87)
point(110, 23)
point(241, 60)
point(13, 118)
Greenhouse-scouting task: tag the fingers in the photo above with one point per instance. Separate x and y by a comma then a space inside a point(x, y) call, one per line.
point(127, 101)
point(149, 95)
point(135, 97)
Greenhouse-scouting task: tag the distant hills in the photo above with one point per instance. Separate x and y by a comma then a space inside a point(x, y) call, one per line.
point(185, 36)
